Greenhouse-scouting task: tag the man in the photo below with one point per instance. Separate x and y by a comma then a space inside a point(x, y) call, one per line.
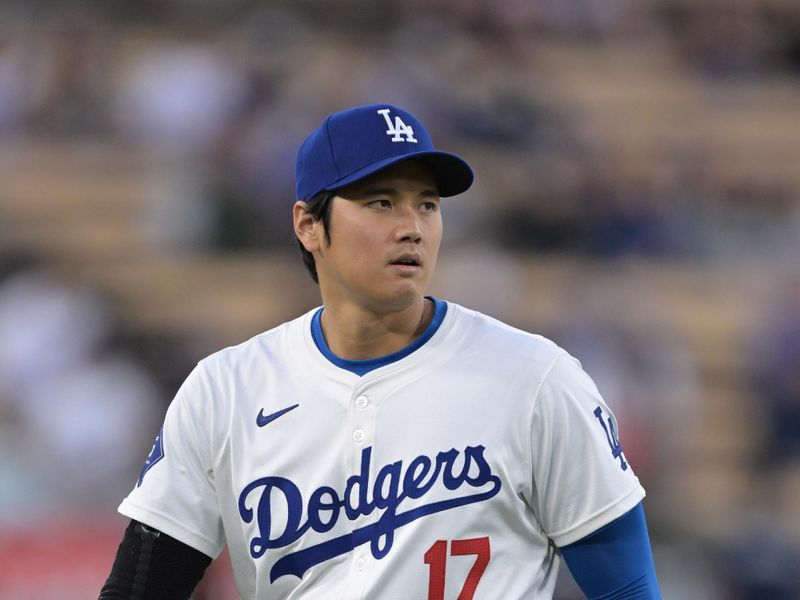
point(387, 445)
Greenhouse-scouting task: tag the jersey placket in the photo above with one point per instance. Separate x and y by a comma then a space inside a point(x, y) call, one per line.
point(362, 414)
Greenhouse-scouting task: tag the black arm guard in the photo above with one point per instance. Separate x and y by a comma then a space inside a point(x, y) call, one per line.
point(150, 565)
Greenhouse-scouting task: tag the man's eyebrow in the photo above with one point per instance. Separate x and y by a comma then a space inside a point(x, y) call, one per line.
point(376, 191)
point(389, 191)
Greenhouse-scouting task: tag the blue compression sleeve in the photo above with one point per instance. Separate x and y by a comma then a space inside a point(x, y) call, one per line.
point(615, 562)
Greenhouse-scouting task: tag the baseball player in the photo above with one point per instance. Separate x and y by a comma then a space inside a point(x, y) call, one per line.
point(387, 445)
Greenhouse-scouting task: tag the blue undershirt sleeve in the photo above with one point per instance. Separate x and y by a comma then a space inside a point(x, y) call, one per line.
point(615, 562)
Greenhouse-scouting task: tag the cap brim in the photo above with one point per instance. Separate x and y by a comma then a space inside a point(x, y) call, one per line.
point(452, 173)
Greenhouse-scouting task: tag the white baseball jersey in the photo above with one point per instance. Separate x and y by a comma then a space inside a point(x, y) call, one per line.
point(453, 472)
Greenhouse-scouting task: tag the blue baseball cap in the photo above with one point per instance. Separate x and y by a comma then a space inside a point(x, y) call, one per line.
point(357, 142)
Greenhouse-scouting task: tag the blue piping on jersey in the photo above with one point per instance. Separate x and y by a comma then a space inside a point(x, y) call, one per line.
point(362, 367)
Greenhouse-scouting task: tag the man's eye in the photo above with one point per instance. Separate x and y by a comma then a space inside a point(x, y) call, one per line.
point(430, 206)
point(381, 203)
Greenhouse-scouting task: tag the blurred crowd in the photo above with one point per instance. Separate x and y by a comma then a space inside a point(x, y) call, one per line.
point(74, 403)
point(219, 96)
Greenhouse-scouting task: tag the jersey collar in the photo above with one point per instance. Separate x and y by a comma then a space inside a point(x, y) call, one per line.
point(362, 367)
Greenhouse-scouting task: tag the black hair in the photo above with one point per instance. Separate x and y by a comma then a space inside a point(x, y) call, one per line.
point(319, 207)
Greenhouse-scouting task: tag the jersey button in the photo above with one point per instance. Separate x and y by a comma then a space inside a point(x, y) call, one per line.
point(359, 435)
point(362, 402)
point(361, 564)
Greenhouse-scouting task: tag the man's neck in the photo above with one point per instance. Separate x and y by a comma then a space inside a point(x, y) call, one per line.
point(355, 333)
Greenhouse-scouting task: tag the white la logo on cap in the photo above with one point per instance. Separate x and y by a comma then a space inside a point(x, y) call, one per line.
point(398, 129)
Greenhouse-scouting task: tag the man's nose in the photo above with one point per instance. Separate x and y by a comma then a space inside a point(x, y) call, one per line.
point(408, 230)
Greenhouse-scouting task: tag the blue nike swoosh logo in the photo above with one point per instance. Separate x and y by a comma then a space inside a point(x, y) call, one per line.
point(263, 419)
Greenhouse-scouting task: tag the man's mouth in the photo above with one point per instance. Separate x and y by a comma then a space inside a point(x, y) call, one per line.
point(407, 261)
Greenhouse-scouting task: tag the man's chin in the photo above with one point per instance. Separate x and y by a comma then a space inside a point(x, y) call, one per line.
point(400, 297)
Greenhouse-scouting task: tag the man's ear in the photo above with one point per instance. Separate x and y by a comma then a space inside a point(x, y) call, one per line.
point(304, 227)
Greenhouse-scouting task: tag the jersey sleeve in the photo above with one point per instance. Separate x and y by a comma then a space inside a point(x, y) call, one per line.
point(175, 492)
point(582, 479)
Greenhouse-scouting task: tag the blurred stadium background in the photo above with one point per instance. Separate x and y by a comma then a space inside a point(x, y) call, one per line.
point(637, 200)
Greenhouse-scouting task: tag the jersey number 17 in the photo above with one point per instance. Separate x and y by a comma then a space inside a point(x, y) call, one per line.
point(436, 559)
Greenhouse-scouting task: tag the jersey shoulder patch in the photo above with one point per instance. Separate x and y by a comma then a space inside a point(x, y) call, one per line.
point(607, 423)
point(156, 454)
